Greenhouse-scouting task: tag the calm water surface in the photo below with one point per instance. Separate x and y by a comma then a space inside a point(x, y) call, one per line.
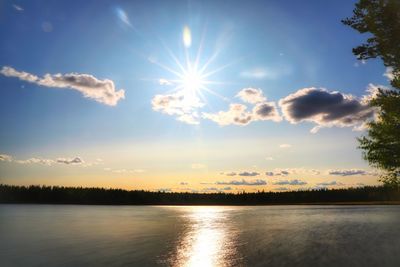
point(68, 235)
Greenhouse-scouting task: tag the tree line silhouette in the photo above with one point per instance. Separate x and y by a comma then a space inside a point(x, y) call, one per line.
point(103, 196)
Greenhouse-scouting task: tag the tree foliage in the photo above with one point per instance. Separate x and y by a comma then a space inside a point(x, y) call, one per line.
point(380, 19)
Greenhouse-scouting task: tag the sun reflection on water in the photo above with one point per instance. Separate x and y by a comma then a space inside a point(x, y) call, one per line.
point(208, 239)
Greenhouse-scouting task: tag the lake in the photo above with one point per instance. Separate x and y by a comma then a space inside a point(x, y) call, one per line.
point(73, 235)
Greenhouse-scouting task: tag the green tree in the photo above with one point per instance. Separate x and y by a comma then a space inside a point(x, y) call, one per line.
point(380, 20)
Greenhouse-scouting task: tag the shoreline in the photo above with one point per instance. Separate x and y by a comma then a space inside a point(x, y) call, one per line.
point(356, 203)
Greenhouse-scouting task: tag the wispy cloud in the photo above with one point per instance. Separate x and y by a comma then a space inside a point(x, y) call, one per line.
point(216, 189)
point(290, 182)
point(229, 173)
point(102, 91)
point(243, 182)
point(43, 161)
point(349, 172)
point(164, 82)
point(285, 145)
point(269, 73)
point(198, 166)
point(18, 8)
point(124, 170)
point(123, 16)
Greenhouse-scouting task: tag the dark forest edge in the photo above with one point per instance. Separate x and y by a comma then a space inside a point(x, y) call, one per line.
point(101, 196)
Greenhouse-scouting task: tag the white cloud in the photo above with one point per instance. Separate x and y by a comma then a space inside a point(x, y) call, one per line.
point(42, 161)
point(179, 104)
point(285, 145)
point(251, 95)
point(102, 91)
point(238, 114)
point(164, 82)
point(389, 73)
point(5, 157)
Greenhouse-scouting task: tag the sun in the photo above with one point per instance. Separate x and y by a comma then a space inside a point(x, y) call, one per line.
point(192, 81)
point(191, 78)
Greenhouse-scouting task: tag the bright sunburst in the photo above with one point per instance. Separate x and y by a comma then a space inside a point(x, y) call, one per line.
point(191, 79)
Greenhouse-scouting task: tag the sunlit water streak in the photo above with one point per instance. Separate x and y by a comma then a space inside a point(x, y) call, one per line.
point(209, 239)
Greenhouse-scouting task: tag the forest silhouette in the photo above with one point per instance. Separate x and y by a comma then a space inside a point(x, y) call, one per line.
point(102, 196)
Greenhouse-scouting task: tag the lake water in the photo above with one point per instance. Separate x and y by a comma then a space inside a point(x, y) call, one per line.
point(69, 235)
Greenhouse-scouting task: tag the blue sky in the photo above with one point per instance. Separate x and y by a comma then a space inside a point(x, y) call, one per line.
point(275, 48)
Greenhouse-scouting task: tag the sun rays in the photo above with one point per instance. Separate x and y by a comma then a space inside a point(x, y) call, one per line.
point(191, 78)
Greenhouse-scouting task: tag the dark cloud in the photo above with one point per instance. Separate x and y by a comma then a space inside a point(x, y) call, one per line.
point(277, 173)
point(325, 108)
point(333, 183)
point(230, 173)
point(266, 111)
point(249, 173)
point(76, 160)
